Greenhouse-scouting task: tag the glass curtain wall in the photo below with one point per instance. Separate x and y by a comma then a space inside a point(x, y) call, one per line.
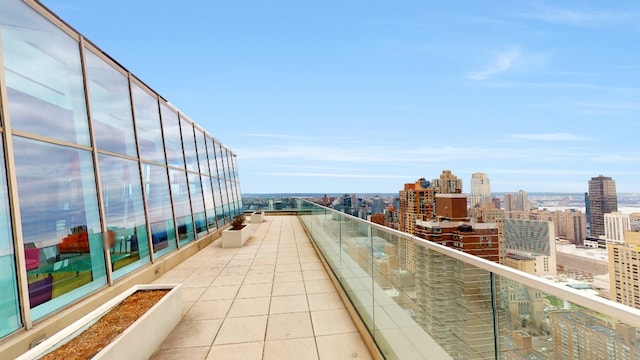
point(159, 177)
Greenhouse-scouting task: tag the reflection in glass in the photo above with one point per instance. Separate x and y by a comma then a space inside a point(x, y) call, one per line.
point(43, 76)
point(188, 141)
point(110, 107)
point(60, 217)
point(122, 197)
point(156, 190)
point(148, 126)
point(172, 139)
point(9, 304)
point(197, 204)
point(202, 153)
point(217, 198)
point(181, 205)
point(208, 202)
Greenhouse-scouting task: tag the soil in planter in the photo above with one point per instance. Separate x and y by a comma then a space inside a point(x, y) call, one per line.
point(112, 324)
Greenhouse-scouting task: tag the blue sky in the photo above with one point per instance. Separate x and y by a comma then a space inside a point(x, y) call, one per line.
point(363, 96)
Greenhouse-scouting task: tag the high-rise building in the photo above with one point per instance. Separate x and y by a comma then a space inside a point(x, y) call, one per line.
point(447, 183)
point(615, 224)
point(522, 202)
point(417, 202)
point(624, 264)
point(377, 205)
point(509, 202)
point(480, 189)
point(441, 317)
point(578, 335)
point(602, 200)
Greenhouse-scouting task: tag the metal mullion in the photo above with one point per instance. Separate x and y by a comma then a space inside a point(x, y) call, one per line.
point(211, 176)
point(221, 179)
point(204, 205)
point(96, 169)
point(49, 140)
point(213, 197)
point(52, 18)
point(237, 177)
point(14, 202)
point(119, 155)
point(141, 175)
point(224, 174)
point(104, 57)
point(186, 174)
point(166, 166)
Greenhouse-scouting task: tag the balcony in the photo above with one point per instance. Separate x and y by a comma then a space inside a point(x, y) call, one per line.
point(271, 299)
point(415, 299)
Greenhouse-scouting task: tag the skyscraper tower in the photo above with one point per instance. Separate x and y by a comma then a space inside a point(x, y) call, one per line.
point(522, 203)
point(480, 189)
point(509, 202)
point(447, 183)
point(602, 200)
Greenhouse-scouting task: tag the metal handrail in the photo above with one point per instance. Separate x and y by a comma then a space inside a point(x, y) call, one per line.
point(627, 314)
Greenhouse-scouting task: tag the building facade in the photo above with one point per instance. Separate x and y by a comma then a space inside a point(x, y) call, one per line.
point(603, 199)
point(532, 239)
point(615, 224)
point(624, 264)
point(480, 190)
point(99, 177)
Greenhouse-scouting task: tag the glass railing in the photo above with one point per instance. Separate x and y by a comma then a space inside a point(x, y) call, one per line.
point(421, 300)
point(272, 204)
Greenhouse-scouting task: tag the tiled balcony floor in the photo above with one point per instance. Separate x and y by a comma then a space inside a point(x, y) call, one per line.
point(271, 299)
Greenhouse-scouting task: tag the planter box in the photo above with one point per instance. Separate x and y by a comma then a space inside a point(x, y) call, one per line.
point(235, 238)
point(138, 341)
point(257, 218)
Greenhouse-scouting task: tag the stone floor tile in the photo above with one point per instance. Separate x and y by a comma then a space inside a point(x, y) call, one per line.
point(243, 351)
point(242, 330)
point(289, 326)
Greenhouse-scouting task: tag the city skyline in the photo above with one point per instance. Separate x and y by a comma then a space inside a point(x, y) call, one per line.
point(521, 92)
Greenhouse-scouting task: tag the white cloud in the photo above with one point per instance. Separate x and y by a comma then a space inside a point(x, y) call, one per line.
point(337, 175)
point(576, 17)
point(501, 63)
point(550, 137)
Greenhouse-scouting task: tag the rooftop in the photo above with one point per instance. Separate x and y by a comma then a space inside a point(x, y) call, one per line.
point(270, 299)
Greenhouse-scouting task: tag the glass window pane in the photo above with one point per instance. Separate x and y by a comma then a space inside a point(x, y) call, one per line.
point(213, 167)
point(43, 75)
point(172, 139)
point(9, 304)
point(181, 205)
point(122, 197)
point(59, 209)
point(197, 204)
point(209, 205)
point(148, 126)
point(188, 141)
point(156, 190)
point(217, 198)
point(110, 107)
point(202, 153)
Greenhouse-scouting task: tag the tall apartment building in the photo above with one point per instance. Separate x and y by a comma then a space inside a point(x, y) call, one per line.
point(417, 202)
point(377, 205)
point(578, 335)
point(480, 189)
point(447, 183)
point(522, 202)
point(509, 202)
point(444, 319)
point(615, 224)
point(624, 264)
point(603, 199)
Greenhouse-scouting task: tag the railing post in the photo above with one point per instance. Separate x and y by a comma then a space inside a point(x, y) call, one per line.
point(494, 309)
